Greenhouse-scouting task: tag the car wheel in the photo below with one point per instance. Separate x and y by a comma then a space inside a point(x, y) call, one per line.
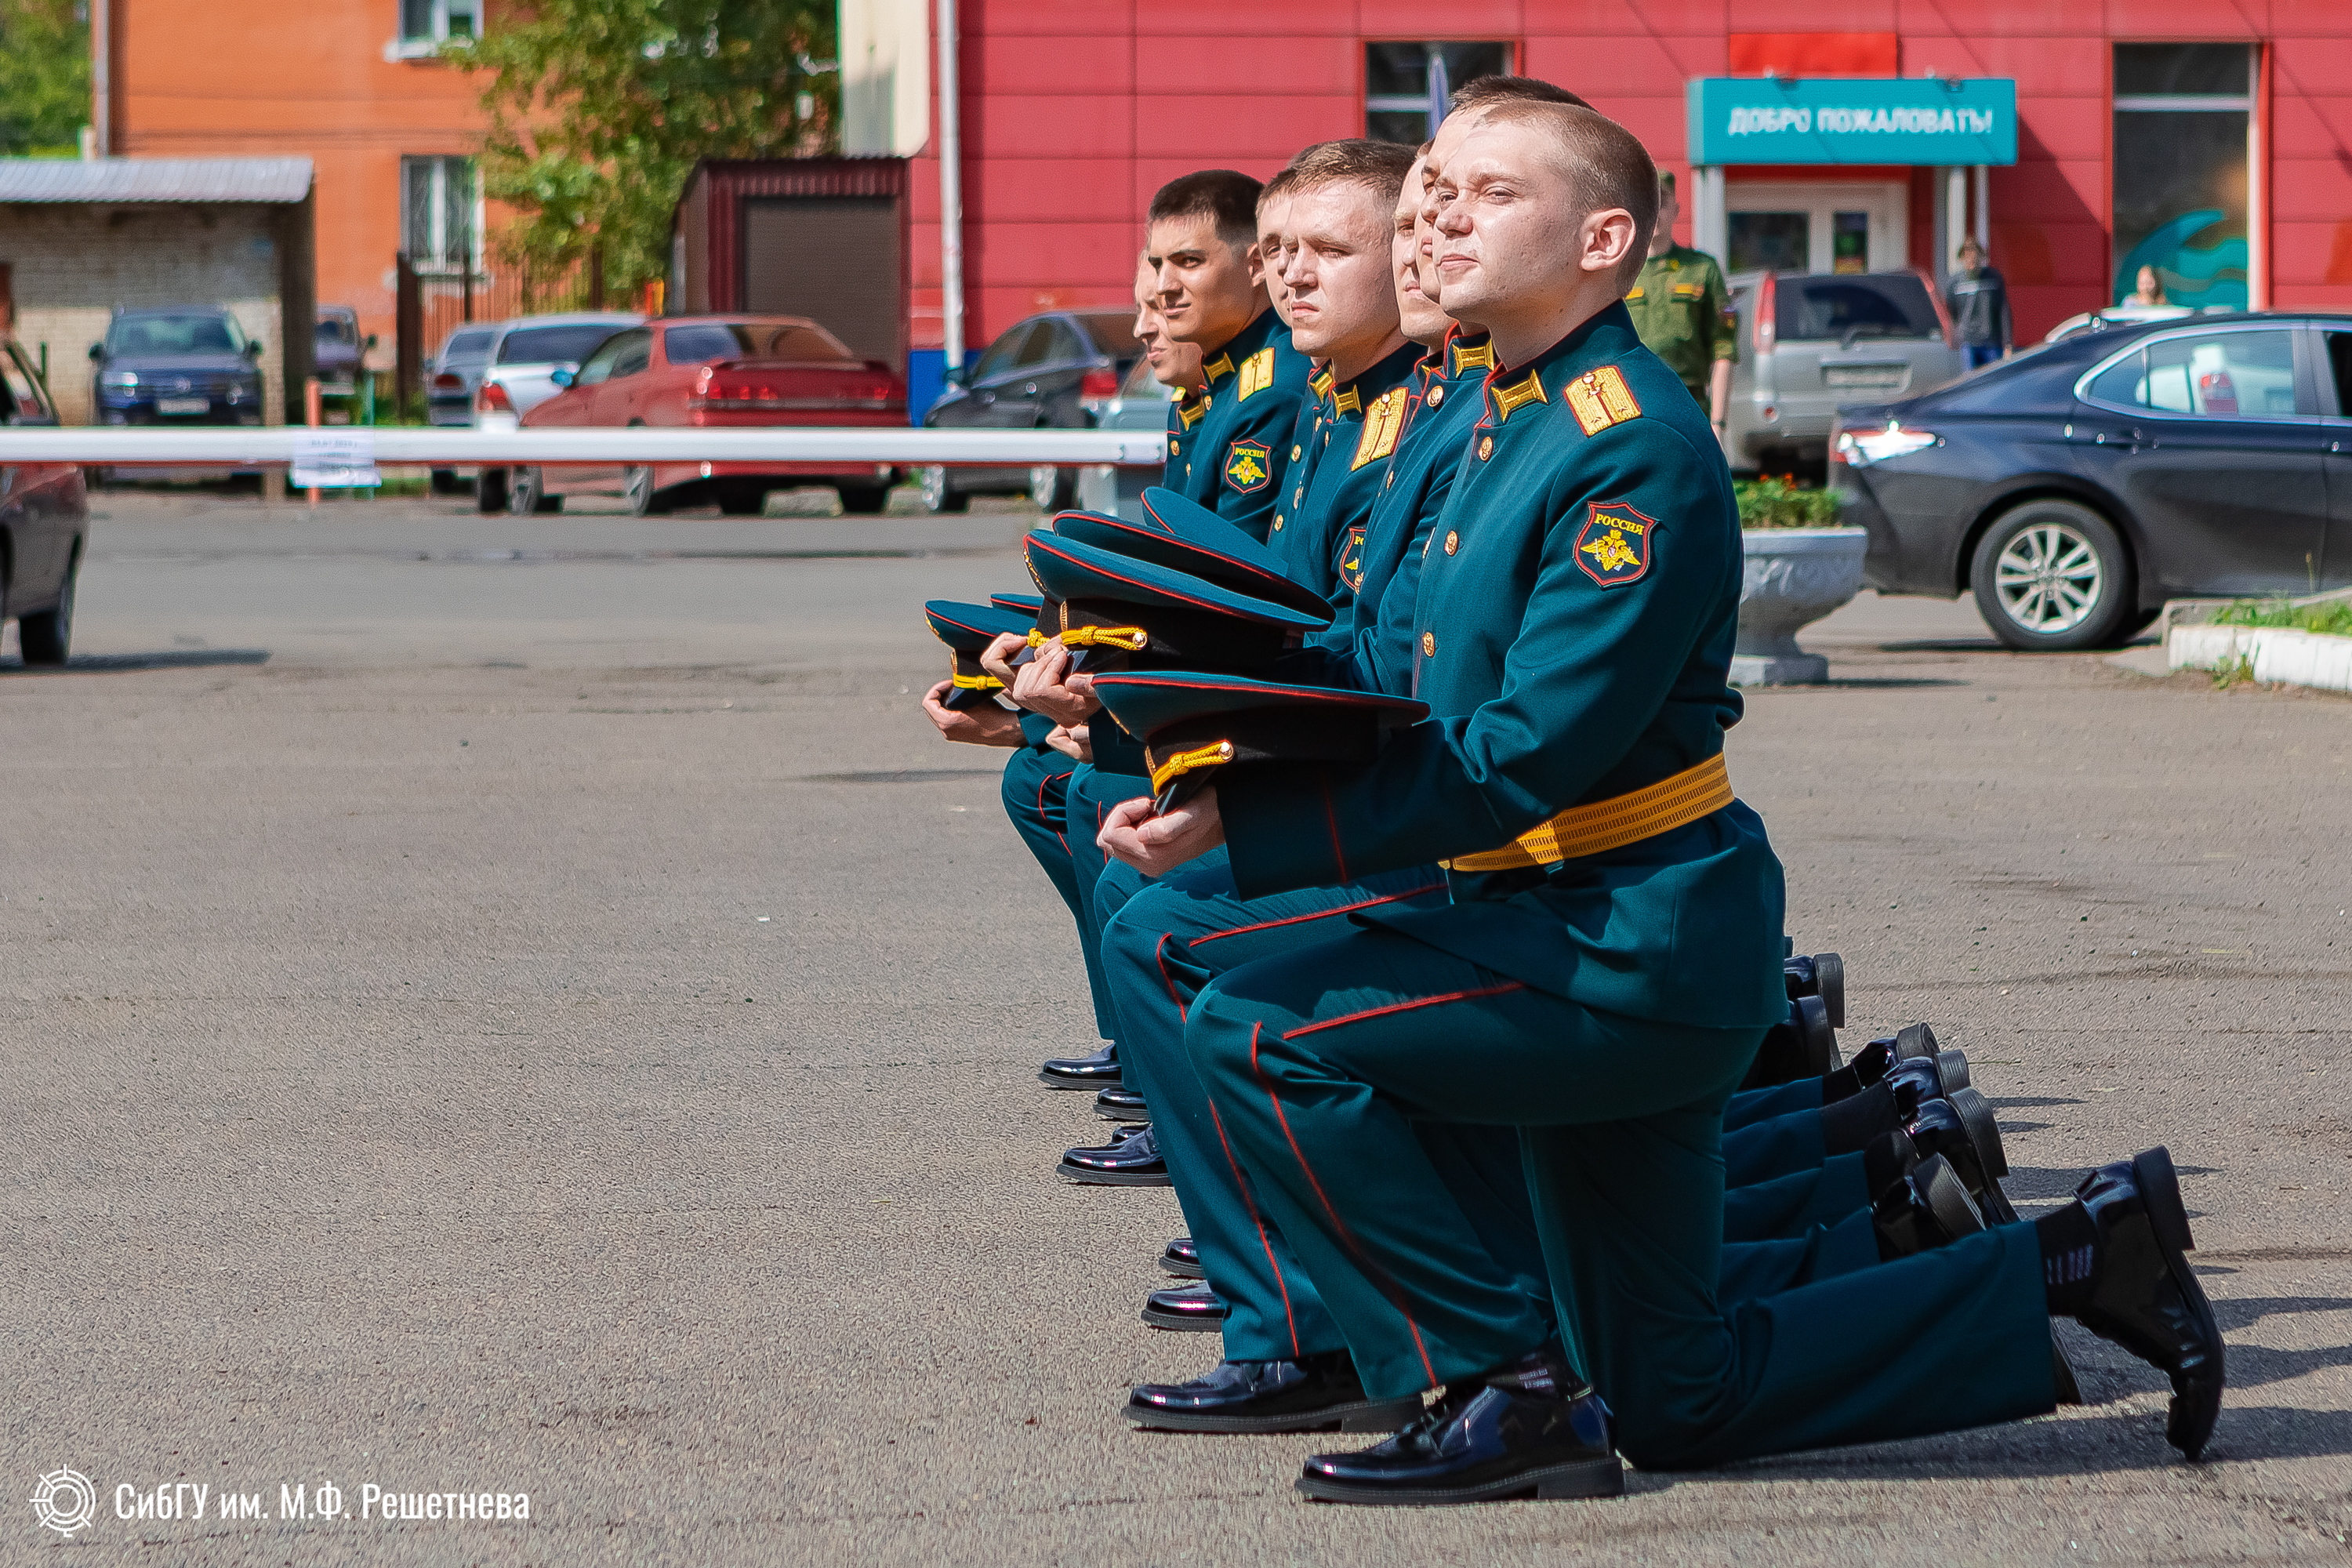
point(44, 637)
point(637, 490)
point(445, 482)
point(2051, 576)
point(938, 496)
point(1053, 489)
point(522, 488)
point(491, 491)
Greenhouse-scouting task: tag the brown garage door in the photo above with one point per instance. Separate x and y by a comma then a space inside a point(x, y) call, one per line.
point(834, 258)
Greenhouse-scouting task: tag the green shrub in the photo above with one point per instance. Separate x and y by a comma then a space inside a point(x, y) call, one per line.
point(1777, 504)
point(2333, 619)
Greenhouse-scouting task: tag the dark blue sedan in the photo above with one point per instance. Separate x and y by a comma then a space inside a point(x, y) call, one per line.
point(2076, 488)
point(182, 365)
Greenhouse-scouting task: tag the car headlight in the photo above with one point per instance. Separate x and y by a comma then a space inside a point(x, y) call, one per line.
point(119, 381)
point(1863, 447)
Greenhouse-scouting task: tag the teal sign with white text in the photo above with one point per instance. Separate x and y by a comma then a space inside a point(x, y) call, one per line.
point(1859, 120)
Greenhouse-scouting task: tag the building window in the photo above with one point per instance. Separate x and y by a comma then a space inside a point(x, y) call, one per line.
point(438, 217)
point(2182, 169)
point(1409, 86)
point(438, 21)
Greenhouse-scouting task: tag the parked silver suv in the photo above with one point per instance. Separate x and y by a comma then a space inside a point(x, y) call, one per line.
point(1811, 341)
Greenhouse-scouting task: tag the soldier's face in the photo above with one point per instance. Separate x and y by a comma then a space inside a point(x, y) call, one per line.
point(1417, 313)
point(1507, 220)
point(1271, 218)
point(1173, 364)
point(1207, 288)
point(1342, 300)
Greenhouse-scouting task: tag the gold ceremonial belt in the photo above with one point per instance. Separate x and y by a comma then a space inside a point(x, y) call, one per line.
point(1131, 639)
point(979, 683)
point(1672, 802)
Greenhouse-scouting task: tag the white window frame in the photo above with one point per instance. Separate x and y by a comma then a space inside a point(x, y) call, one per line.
point(432, 259)
point(408, 46)
point(1437, 97)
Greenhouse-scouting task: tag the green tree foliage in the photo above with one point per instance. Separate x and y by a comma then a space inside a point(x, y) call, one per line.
point(44, 75)
point(600, 108)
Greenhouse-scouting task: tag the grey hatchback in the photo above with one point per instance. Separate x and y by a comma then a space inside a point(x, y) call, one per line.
point(1811, 341)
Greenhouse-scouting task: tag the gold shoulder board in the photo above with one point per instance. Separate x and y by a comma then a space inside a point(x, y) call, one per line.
point(1382, 423)
point(1601, 398)
point(1258, 372)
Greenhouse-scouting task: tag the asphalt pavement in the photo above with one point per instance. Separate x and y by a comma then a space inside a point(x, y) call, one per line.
point(530, 1007)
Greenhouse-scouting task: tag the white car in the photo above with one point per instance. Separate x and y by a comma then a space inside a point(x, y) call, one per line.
point(520, 375)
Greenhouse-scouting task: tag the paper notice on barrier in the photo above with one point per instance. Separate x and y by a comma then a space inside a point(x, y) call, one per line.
point(328, 459)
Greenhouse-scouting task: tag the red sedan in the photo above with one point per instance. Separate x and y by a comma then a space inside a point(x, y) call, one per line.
point(716, 373)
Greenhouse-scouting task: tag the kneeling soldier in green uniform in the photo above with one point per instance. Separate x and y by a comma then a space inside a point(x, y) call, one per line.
point(1610, 958)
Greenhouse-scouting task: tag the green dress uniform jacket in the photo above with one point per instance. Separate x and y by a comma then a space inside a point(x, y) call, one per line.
point(1682, 310)
point(1228, 449)
point(1371, 650)
point(1593, 512)
point(1336, 466)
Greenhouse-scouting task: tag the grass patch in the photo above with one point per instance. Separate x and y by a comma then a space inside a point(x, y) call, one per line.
point(1774, 503)
point(2333, 619)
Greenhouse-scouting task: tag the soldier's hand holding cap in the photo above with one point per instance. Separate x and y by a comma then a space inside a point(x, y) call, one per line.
point(1046, 685)
point(985, 725)
point(1156, 843)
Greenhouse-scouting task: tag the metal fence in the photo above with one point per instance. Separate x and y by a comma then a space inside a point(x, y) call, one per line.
point(433, 302)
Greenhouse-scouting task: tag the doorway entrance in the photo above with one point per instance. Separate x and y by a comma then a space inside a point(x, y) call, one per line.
point(1787, 225)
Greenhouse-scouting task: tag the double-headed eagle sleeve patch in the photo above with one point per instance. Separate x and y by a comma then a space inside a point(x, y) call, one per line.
point(1248, 465)
point(1614, 548)
point(1383, 422)
point(1352, 560)
point(1600, 398)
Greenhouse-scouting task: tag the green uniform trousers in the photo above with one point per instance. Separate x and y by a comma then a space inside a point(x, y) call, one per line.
point(1164, 942)
point(1036, 791)
point(1316, 1062)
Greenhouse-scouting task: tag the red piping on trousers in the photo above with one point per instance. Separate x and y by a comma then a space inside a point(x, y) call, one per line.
point(1241, 1184)
point(1048, 821)
point(1402, 1007)
point(1314, 915)
point(1338, 854)
point(1160, 956)
point(1337, 1224)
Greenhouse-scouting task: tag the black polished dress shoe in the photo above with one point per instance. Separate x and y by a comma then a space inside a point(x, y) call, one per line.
point(1182, 1259)
point(1962, 1130)
point(2144, 1296)
point(1804, 1047)
point(1185, 1309)
point(1122, 1105)
point(1821, 975)
point(1921, 1078)
point(1319, 1393)
point(1533, 1429)
point(1099, 1070)
point(1129, 1160)
point(1928, 1209)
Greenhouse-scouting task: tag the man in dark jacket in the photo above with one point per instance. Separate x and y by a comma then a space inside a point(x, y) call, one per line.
point(1980, 306)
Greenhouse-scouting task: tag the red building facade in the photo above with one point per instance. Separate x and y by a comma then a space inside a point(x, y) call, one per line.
point(1074, 111)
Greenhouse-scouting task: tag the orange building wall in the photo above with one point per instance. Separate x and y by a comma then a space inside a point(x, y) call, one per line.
point(237, 78)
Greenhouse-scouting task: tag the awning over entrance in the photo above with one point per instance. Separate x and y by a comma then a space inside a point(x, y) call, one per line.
point(1897, 119)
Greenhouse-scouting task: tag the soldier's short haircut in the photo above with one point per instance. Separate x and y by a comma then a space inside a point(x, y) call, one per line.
point(1226, 194)
point(1379, 166)
point(1607, 164)
point(1487, 89)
